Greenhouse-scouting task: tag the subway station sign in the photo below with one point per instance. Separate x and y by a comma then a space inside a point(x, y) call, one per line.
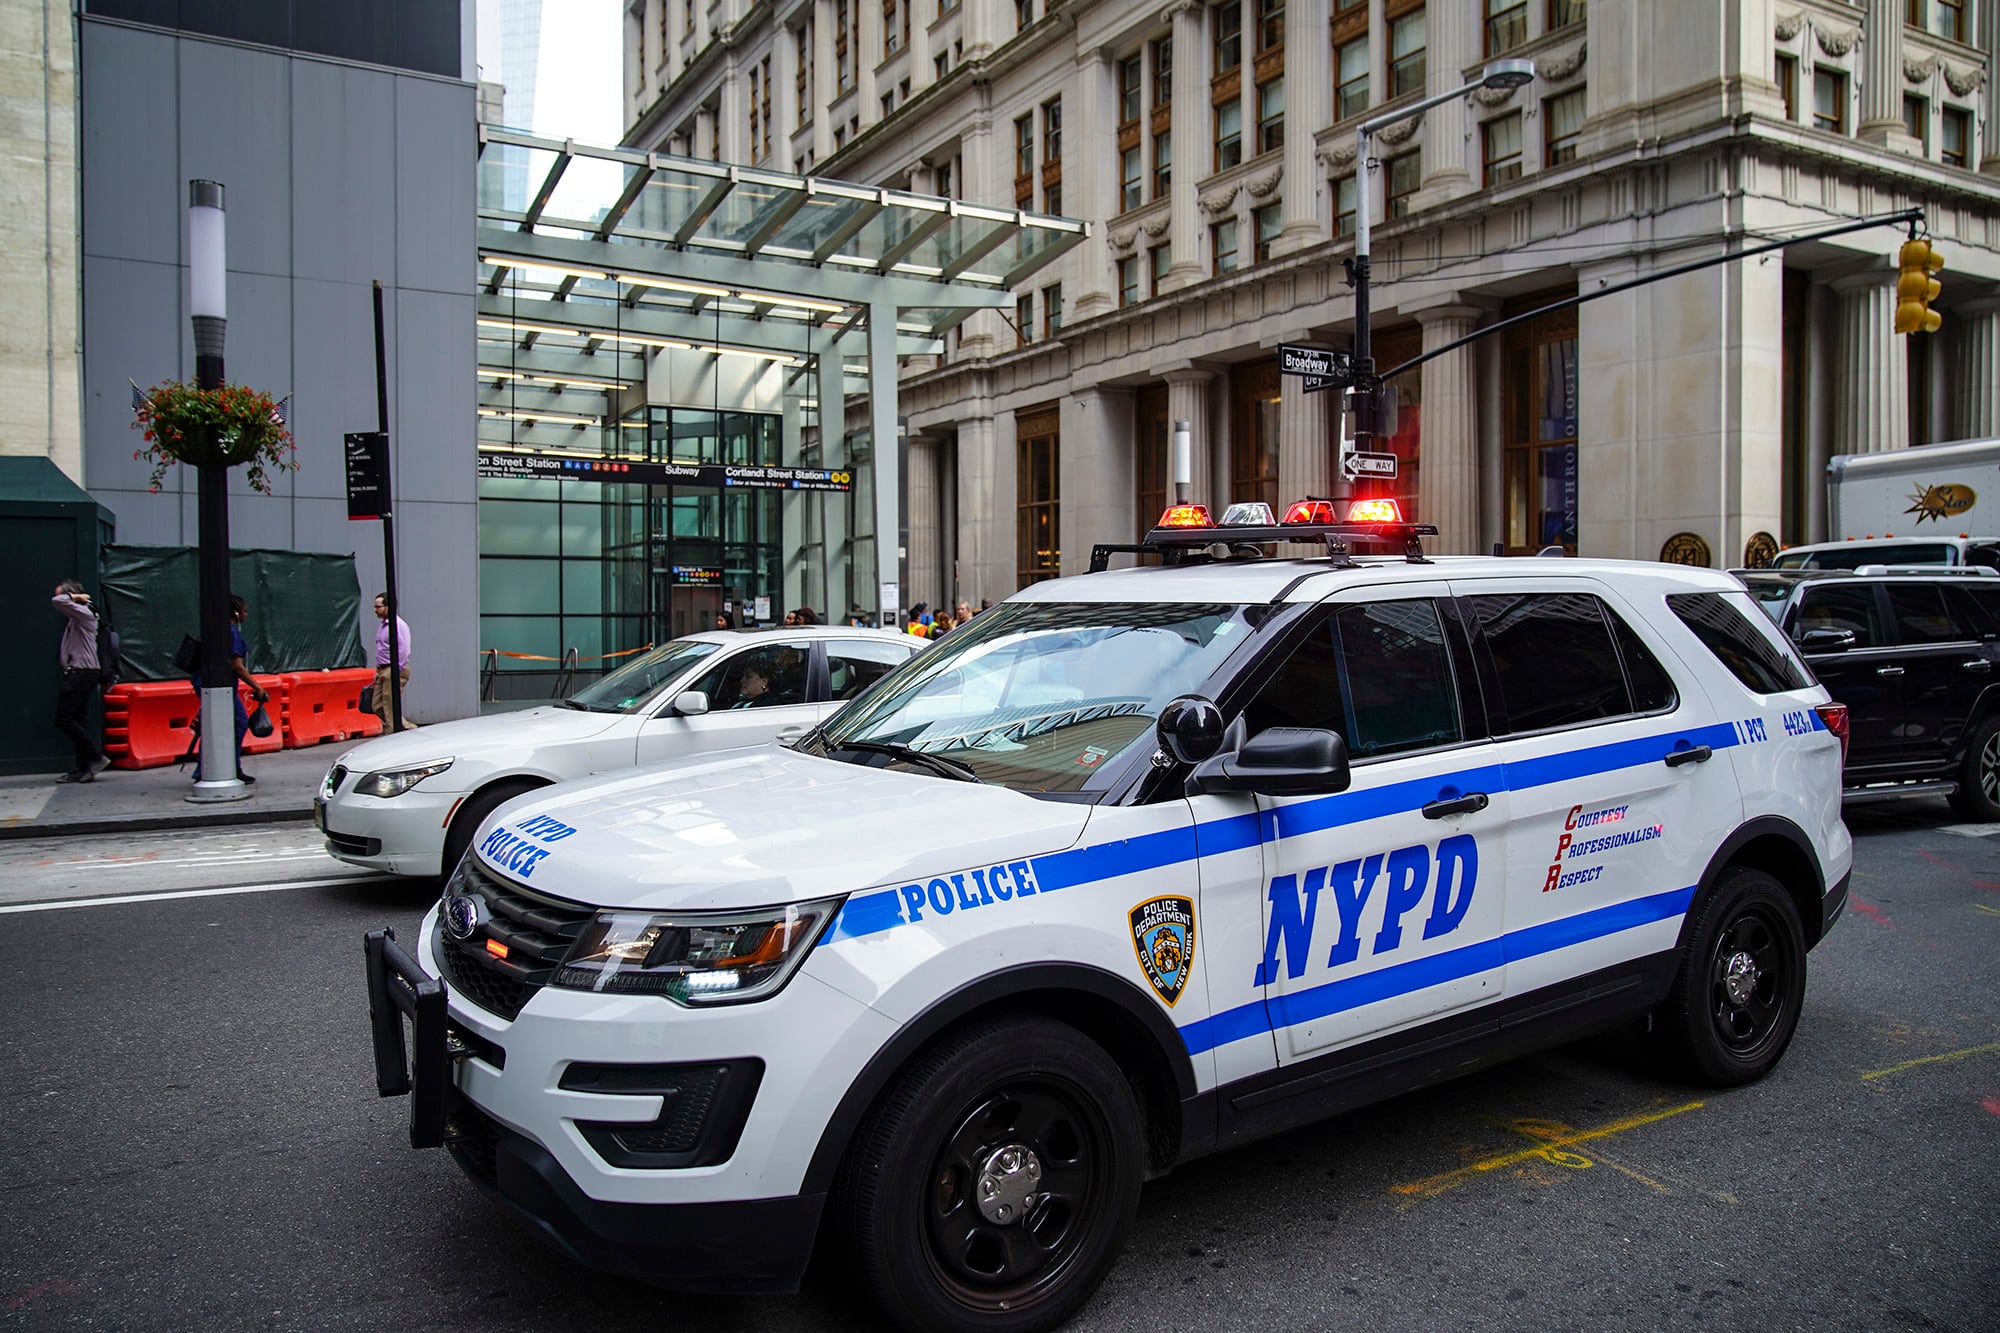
point(713, 476)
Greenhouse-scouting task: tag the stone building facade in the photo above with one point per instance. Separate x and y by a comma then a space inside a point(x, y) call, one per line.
point(1212, 147)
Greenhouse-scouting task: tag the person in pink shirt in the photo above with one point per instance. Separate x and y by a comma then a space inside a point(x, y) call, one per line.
point(384, 701)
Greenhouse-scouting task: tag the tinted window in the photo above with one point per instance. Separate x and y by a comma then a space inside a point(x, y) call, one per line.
point(1553, 659)
point(1379, 674)
point(1738, 642)
point(1976, 605)
point(852, 665)
point(781, 665)
point(1847, 607)
point(1652, 689)
point(1921, 616)
point(1877, 553)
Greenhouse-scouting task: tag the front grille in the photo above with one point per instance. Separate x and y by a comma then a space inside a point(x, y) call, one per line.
point(473, 1138)
point(536, 931)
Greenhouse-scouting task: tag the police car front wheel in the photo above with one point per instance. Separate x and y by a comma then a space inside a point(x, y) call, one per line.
point(993, 1186)
point(1735, 1002)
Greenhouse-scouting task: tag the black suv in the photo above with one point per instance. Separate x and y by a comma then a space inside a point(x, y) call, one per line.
point(1912, 653)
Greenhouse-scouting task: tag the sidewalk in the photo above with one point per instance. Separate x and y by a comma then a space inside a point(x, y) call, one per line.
point(134, 800)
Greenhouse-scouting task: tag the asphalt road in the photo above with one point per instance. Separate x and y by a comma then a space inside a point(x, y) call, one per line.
point(194, 1141)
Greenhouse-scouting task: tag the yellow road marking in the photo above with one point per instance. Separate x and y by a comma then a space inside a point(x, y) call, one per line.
point(1982, 907)
point(1553, 1138)
point(1930, 1060)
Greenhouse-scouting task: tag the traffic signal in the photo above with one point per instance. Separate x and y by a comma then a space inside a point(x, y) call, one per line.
point(1916, 288)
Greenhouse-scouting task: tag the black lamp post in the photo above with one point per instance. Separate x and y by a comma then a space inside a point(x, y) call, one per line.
point(207, 302)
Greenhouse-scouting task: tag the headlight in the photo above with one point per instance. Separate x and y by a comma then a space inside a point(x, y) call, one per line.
point(396, 781)
point(695, 958)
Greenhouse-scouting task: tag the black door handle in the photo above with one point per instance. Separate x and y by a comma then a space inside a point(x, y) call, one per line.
point(1463, 805)
point(1698, 754)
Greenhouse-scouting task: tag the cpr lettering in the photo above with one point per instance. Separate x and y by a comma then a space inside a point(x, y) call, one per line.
point(970, 891)
point(1448, 873)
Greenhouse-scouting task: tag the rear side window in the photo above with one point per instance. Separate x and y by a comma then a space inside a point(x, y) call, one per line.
point(1842, 606)
point(1976, 605)
point(1921, 616)
point(1554, 659)
point(1738, 642)
point(852, 665)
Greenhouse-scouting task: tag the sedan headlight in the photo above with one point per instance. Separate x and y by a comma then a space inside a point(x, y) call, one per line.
point(695, 958)
point(396, 781)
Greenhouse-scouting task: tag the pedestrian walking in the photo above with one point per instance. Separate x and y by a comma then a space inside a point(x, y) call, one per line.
point(384, 700)
point(239, 612)
point(77, 656)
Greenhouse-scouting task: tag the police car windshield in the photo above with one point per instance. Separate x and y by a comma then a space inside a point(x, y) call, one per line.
point(1038, 696)
point(627, 688)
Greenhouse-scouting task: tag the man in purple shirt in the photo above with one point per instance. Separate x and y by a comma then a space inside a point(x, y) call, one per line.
point(78, 658)
point(384, 703)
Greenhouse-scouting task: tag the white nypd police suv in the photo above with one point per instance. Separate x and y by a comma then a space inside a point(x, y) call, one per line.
point(1139, 865)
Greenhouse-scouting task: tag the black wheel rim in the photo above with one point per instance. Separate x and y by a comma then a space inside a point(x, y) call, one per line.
point(1989, 769)
point(1003, 1265)
point(1750, 982)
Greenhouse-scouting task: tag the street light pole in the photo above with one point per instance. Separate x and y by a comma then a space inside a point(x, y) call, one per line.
point(208, 304)
point(1497, 74)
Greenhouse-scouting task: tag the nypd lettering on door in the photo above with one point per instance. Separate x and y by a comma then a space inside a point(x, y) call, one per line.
point(1394, 884)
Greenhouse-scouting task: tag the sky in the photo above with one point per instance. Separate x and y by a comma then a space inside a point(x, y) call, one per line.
point(579, 80)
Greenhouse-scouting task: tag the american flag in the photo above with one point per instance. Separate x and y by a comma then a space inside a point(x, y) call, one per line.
point(138, 397)
point(283, 410)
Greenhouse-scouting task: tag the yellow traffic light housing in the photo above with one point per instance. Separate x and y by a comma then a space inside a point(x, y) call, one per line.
point(1916, 288)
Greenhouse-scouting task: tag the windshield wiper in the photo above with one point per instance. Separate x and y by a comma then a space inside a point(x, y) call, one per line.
point(937, 763)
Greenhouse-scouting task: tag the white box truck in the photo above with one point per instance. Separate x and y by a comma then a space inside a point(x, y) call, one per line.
point(1937, 504)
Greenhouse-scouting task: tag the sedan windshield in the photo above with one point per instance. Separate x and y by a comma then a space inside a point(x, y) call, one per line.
point(630, 686)
point(1040, 695)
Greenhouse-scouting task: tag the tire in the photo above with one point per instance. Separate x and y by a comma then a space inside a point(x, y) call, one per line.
point(1736, 998)
point(1978, 796)
point(472, 814)
point(1048, 1122)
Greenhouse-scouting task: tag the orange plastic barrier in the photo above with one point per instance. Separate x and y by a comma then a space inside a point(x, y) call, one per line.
point(275, 709)
point(326, 706)
point(149, 723)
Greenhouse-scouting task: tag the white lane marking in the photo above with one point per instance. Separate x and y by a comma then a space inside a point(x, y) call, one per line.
point(1970, 830)
point(126, 898)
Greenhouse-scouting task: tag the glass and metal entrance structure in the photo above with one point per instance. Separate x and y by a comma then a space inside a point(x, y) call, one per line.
point(687, 386)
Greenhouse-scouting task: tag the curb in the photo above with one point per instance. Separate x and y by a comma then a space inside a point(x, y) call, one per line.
point(66, 828)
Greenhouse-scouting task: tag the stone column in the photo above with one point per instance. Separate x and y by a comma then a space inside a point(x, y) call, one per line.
point(867, 55)
point(1453, 34)
point(784, 114)
point(978, 181)
point(1976, 405)
point(927, 582)
point(921, 74)
point(1187, 400)
point(1095, 177)
point(1097, 479)
point(823, 79)
point(1449, 443)
point(1190, 127)
point(986, 506)
point(1989, 92)
point(1306, 439)
point(732, 117)
point(1378, 54)
point(1872, 412)
point(1882, 78)
point(1308, 108)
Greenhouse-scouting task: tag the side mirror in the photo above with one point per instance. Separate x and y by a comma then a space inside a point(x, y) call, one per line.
point(690, 703)
point(1190, 728)
point(1281, 761)
point(1827, 640)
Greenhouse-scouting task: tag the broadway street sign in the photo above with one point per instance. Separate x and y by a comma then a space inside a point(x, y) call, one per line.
point(1317, 363)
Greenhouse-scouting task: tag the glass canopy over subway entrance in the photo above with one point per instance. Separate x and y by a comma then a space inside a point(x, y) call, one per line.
point(684, 370)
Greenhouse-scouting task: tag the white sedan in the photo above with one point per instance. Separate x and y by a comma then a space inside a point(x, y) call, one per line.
point(409, 803)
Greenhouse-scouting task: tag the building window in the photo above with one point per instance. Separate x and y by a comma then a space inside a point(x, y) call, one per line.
point(1501, 139)
point(1343, 206)
point(940, 64)
point(802, 75)
point(1163, 71)
point(1228, 133)
point(1052, 199)
point(1052, 131)
point(1404, 175)
point(893, 35)
point(1948, 19)
point(1038, 496)
point(1407, 42)
point(1131, 181)
point(1786, 74)
point(1024, 15)
point(760, 110)
point(1562, 13)
point(1506, 25)
point(1540, 429)
point(1350, 93)
point(1270, 25)
point(943, 183)
point(1269, 220)
point(843, 45)
point(1128, 281)
point(1163, 163)
point(1222, 245)
point(1154, 439)
point(1052, 308)
point(1830, 100)
point(1131, 82)
point(1955, 138)
point(1562, 123)
point(1024, 318)
point(1271, 115)
point(1255, 394)
point(1228, 36)
point(1024, 146)
point(1917, 120)
point(1158, 260)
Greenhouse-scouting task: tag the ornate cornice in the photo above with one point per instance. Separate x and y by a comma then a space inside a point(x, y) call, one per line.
point(1493, 96)
point(1916, 71)
point(1122, 240)
point(1157, 227)
point(1401, 130)
point(1216, 202)
point(1562, 67)
point(1836, 41)
point(1339, 153)
point(1963, 81)
point(1260, 187)
point(1790, 25)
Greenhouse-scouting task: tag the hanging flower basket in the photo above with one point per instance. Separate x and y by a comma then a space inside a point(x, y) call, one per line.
point(231, 425)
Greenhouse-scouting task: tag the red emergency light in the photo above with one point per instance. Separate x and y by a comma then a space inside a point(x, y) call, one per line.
point(1310, 511)
point(1375, 511)
point(1186, 516)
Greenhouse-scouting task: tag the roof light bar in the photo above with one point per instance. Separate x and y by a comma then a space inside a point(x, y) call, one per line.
point(1186, 516)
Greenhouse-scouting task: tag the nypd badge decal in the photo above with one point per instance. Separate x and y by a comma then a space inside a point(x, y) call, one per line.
point(1163, 937)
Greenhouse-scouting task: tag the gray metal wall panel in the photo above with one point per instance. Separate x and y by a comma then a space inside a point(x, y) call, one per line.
point(133, 191)
point(235, 127)
point(344, 195)
point(436, 194)
point(333, 335)
point(132, 330)
point(436, 457)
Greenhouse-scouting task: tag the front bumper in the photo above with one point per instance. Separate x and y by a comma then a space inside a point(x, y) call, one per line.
point(403, 835)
